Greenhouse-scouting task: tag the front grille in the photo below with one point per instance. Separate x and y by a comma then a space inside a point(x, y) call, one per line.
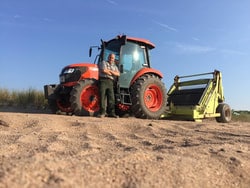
point(72, 77)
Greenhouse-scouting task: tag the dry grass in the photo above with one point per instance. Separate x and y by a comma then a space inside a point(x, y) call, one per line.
point(241, 116)
point(24, 98)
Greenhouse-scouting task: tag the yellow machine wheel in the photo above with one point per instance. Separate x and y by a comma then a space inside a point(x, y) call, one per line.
point(225, 113)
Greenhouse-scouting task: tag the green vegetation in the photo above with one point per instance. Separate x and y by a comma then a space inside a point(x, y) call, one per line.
point(25, 98)
point(241, 116)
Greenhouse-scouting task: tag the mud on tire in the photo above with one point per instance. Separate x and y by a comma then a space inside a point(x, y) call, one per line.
point(149, 97)
point(84, 98)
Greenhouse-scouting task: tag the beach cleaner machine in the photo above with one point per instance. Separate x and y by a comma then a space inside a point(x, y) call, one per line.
point(199, 98)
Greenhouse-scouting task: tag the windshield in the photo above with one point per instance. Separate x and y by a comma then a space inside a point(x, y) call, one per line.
point(133, 57)
point(130, 58)
point(112, 47)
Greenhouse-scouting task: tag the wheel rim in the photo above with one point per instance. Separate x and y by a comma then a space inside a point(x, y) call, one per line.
point(90, 99)
point(153, 98)
point(228, 113)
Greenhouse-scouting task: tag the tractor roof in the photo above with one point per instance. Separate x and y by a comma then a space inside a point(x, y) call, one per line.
point(149, 44)
point(140, 41)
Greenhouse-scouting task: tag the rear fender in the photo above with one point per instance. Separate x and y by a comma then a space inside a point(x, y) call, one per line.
point(146, 71)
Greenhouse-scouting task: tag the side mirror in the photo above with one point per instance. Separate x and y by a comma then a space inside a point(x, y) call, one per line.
point(90, 52)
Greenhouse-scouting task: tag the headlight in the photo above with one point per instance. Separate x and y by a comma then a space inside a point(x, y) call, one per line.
point(68, 71)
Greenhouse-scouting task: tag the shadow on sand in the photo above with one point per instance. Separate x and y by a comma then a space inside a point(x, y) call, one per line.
point(20, 109)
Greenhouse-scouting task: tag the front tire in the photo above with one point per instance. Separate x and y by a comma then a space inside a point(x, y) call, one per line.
point(149, 97)
point(59, 101)
point(84, 98)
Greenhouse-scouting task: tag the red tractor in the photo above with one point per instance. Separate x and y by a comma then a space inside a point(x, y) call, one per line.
point(138, 91)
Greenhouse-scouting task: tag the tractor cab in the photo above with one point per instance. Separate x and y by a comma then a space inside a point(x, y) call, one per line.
point(132, 55)
point(132, 58)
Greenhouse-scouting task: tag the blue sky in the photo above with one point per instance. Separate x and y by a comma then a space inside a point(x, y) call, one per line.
point(39, 37)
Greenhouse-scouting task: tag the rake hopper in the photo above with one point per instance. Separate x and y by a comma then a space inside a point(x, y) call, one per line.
point(197, 99)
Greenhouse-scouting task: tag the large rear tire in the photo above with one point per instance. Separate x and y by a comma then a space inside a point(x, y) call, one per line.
point(149, 97)
point(84, 98)
point(225, 113)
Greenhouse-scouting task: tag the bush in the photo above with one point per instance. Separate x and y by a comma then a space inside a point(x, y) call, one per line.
point(25, 98)
point(5, 97)
point(241, 116)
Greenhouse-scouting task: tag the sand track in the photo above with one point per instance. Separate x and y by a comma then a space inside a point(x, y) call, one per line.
point(44, 150)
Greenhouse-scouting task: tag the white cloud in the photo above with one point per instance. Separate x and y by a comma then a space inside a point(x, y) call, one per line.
point(112, 2)
point(233, 52)
point(165, 26)
point(17, 16)
point(199, 49)
point(194, 49)
point(47, 20)
point(195, 38)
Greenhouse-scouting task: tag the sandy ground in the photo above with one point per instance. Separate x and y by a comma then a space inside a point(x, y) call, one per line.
point(45, 150)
